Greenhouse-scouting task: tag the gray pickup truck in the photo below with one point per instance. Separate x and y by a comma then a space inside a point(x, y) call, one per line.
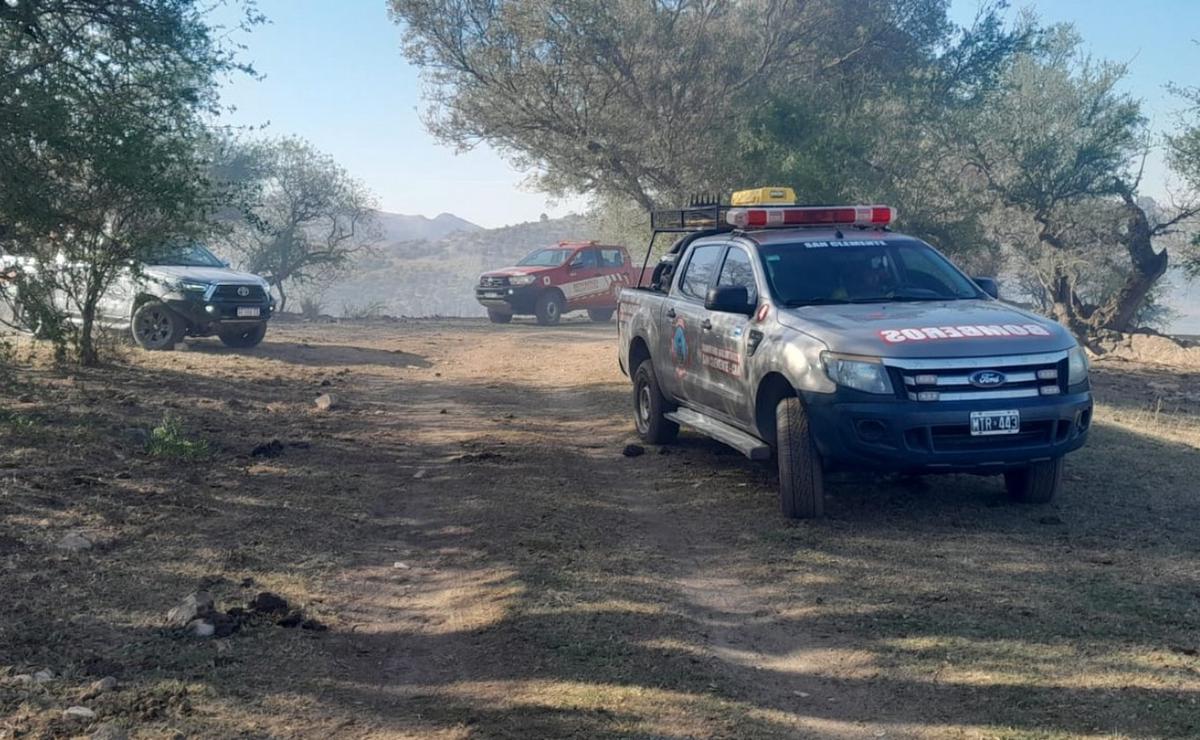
point(819, 336)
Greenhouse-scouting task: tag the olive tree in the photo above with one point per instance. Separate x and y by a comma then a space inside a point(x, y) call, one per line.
point(1059, 149)
point(102, 111)
point(302, 216)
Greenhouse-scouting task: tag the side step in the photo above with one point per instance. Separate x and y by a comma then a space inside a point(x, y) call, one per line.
point(752, 447)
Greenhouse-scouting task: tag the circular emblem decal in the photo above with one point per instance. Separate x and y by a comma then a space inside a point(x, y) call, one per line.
point(679, 347)
point(243, 291)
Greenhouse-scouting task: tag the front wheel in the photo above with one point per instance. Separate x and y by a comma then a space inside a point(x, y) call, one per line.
point(549, 308)
point(157, 327)
point(650, 407)
point(801, 476)
point(243, 338)
point(499, 317)
point(600, 315)
point(1036, 483)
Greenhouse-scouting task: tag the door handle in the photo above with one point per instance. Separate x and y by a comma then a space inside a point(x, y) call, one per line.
point(706, 325)
point(670, 313)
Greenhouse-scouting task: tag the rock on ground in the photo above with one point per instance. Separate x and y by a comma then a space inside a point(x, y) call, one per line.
point(75, 542)
point(194, 606)
point(325, 402)
point(82, 713)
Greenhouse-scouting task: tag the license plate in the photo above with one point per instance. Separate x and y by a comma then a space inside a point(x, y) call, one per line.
point(984, 423)
point(248, 311)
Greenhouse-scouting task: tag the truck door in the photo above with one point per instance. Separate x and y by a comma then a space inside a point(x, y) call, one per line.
point(680, 328)
point(723, 343)
point(584, 281)
point(614, 268)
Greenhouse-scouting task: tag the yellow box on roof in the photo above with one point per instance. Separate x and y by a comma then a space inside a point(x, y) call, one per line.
point(764, 197)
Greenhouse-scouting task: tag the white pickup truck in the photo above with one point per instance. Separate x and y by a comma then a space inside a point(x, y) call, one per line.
point(186, 292)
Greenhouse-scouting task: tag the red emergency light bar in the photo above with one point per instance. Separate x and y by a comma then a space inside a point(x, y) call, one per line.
point(768, 218)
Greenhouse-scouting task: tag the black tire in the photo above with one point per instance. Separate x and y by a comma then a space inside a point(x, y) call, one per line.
point(157, 327)
point(649, 407)
point(499, 317)
point(243, 337)
point(600, 315)
point(1036, 483)
point(801, 477)
point(549, 308)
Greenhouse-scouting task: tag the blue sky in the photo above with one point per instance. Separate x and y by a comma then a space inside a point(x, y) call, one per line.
point(335, 75)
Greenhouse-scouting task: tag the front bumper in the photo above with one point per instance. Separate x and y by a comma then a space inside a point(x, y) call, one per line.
point(910, 436)
point(509, 298)
point(204, 316)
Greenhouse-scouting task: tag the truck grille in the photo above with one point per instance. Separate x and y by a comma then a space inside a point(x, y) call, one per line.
point(979, 378)
point(493, 282)
point(231, 293)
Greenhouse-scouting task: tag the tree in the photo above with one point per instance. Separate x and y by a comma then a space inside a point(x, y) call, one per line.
point(1058, 148)
point(644, 100)
point(101, 122)
point(303, 216)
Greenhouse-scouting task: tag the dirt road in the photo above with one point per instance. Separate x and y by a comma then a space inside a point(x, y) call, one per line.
point(490, 565)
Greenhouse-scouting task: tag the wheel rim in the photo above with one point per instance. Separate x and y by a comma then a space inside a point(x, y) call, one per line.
point(153, 328)
point(552, 310)
point(643, 407)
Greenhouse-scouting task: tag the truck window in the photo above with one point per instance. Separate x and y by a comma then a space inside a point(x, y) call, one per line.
point(587, 259)
point(737, 272)
point(700, 269)
point(611, 258)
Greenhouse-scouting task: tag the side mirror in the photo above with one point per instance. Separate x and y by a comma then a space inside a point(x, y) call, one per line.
point(729, 299)
point(988, 285)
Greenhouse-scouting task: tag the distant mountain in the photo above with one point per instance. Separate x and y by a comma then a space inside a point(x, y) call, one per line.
point(397, 227)
point(436, 276)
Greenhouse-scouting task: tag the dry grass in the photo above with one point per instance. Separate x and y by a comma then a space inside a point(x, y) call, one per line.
point(490, 565)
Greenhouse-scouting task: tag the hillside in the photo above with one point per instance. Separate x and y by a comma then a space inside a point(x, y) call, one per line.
point(397, 227)
point(435, 276)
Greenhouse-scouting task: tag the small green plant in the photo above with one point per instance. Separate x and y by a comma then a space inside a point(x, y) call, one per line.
point(169, 440)
point(16, 420)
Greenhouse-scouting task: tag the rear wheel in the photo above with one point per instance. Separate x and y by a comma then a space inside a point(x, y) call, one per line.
point(801, 477)
point(156, 327)
point(600, 315)
point(498, 317)
point(243, 338)
point(549, 308)
point(1036, 483)
point(650, 407)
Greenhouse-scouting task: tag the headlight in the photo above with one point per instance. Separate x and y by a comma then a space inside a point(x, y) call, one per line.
point(1077, 366)
point(860, 373)
point(521, 279)
point(189, 286)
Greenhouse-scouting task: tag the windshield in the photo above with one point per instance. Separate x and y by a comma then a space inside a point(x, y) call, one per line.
point(545, 258)
point(191, 255)
point(850, 271)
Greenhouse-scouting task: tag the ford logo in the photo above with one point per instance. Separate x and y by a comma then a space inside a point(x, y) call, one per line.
point(243, 291)
point(987, 379)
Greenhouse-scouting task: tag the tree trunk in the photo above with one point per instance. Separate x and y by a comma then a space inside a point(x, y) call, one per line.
point(282, 296)
point(1120, 312)
point(88, 356)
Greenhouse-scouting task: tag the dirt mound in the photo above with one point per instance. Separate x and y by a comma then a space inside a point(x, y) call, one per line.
point(1153, 348)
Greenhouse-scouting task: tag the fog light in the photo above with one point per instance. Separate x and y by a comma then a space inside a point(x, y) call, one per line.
point(510, 291)
point(1050, 374)
point(210, 309)
point(1085, 420)
point(872, 430)
point(925, 380)
point(928, 396)
point(1050, 390)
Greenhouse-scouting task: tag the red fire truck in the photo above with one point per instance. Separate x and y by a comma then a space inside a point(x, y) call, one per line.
point(552, 281)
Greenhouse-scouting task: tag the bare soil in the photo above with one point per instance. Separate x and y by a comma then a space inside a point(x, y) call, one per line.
point(490, 565)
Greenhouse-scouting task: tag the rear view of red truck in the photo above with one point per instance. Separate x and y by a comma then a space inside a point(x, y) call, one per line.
point(550, 282)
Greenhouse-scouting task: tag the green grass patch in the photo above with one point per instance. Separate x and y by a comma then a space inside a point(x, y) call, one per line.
point(169, 440)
